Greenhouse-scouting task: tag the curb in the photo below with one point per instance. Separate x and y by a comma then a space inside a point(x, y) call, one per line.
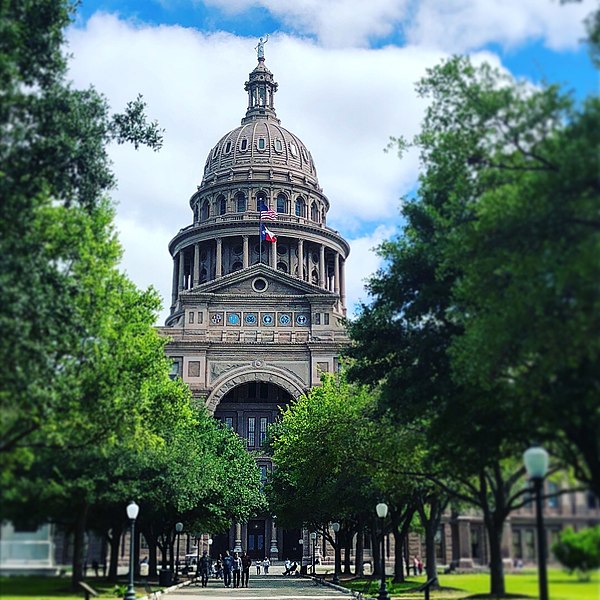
point(339, 588)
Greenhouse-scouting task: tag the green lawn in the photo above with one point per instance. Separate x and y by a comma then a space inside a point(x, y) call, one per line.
point(518, 585)
point(52, 588)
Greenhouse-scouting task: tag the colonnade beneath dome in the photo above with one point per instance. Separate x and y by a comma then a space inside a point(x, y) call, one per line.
point(310, 261)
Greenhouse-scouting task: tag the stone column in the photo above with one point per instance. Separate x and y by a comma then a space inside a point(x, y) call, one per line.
point(196, 279)
point(181, 273)
point(465, 560)
point(274, 551)
point(174, 288)
point(301, 259)
point(336, 273)
point(274, 254)
point(322, 266)
point(219, 270)
point(246, 253)
point(343, 284)
point(237, 545)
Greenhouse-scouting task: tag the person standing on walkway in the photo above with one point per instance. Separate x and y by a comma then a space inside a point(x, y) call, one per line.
point(237, 569)
point(246, 564)
point(266, 565)
point(258, 565)
point(227, 568)
point(205, 567)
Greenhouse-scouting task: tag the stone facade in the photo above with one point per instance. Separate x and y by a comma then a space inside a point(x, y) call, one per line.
point(254, 323)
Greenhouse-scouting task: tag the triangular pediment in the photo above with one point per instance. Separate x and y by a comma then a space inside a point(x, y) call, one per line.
point(247, 282)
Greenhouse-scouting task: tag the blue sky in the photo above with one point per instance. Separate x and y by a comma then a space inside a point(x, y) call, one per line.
point(346, 71)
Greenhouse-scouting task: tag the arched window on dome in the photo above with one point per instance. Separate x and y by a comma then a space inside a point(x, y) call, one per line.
point(300, 207)
point(240, 202)
point(203, 275)
point(314, 212)
point(205, 211)
point(281, 203)
point(281, 266)
point(314, 277)
point(236, 266)
point(222, 204)
point(261, 197)
point(323, 217)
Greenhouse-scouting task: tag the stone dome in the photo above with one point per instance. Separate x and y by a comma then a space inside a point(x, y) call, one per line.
point(261, 143)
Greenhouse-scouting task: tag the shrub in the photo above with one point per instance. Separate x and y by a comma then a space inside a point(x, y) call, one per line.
point(579, 551)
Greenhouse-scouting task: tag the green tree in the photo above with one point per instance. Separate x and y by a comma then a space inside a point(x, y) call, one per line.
point(579, 551)
point(53, 176)
point(483, 142)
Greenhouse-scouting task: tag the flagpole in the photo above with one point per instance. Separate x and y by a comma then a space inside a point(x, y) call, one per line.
point(259, 236)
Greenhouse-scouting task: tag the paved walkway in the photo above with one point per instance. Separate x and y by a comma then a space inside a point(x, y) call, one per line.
point(262, 587)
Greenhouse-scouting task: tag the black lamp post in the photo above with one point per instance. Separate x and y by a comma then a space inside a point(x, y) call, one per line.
point(210, 541)
point(336, 579)
point(536, 465)
point(313, 537)
point(382, 511)
point(132, 512)
point(301, 542)
point(178, 529)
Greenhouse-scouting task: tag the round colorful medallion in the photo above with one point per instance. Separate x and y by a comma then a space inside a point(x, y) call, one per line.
point(233, 318)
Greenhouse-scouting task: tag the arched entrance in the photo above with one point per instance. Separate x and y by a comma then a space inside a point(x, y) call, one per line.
point(249, 408)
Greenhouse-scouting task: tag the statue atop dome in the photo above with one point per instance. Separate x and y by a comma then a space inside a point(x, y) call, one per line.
point(260, 47)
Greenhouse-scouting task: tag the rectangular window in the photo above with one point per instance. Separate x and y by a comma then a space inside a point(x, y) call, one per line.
point(517, 548)
point(263, 473)
point(228, 421)
point(325, 318)
point(317, 318)
point(251, 431)
point(552, 488)
point(529, 544)
point(191, 317)
point(263, 429)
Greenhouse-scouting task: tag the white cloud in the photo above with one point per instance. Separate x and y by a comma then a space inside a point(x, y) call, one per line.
point(464, 25)
point(335, 23)
point(363, 262)
point(451, 25)
point(343, 104)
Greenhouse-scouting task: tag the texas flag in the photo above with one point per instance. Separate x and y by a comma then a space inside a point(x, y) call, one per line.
point(267, 235)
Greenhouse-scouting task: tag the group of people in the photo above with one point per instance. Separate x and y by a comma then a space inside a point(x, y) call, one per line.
point(234, 570)
point(417, 565)
point(265, 564)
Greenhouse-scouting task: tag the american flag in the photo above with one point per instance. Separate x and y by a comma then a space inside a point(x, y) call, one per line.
point(266, 213)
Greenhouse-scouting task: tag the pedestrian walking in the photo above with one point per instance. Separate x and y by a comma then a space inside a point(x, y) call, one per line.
point(258, 566)
point(227, 568)
point(237, 569)
point(205, 567)
point(246, 564)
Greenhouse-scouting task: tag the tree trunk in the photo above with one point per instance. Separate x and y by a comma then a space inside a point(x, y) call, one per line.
point(376, 552)
point(347, 551)
point(431, 524)
point(152, 552)
point(359, 556)
point(114, 541)
point(494, 532)
point(398, 556)
point(78, 543)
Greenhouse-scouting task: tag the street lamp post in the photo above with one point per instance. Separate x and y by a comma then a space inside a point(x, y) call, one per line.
point(301, 543)
point(132, 512)
point(210, 541)
point(382, 511)
point(313, 537)
point(336, 579)
point(178, 529)
point(536, 465)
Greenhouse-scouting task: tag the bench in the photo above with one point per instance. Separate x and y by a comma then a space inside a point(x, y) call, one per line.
point(88, 591)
